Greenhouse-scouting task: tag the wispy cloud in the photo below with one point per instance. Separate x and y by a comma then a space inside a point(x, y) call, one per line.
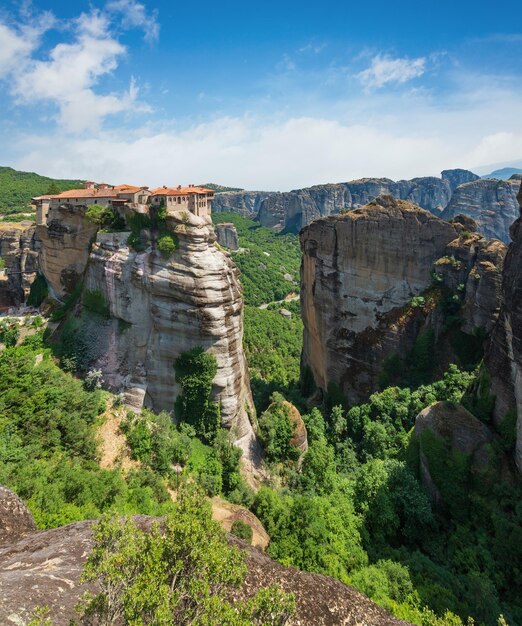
point(135, 15)
point(69, 75)
point(385, 69)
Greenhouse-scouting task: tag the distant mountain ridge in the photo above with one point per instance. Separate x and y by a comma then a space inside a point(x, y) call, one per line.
point(504, 173)
point(17, 188)
point(492, 203)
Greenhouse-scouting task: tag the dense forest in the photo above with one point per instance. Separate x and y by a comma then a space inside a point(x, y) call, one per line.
point(19, 187)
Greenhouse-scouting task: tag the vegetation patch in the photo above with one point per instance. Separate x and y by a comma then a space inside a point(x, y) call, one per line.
point(95, 301)
point(38, 292)
point(195, 371)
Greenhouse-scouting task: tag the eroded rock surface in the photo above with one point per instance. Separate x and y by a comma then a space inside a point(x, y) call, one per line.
point(43, 568)
point(360, 273)
point(65, 245)
point(156, 309)
point(244, 202)
point(491, 203)
point(227, 236)
point(458, 177)
point(19, 250)
point(504, 357)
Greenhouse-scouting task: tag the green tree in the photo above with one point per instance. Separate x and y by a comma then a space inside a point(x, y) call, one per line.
point(276, 431)
point(195, 371)
point(179, 572)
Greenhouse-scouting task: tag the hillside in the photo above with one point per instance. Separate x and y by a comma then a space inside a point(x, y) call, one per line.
point(19, 187)
point(504, 173)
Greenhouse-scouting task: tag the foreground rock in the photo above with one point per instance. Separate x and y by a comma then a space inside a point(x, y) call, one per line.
point(360, 274)
point(43, 568)
point(504, 357)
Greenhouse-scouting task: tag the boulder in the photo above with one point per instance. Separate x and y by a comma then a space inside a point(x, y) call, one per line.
point(15, 518)
point(461, 433)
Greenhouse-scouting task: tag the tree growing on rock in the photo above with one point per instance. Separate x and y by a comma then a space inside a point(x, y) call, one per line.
point(180, 571)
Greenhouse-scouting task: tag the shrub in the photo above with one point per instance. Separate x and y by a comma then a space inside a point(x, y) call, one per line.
point(95, 301)
point(102, 216)
point(188, 580)
point(9, 333)
point(166, 245)
point(93, 380)
point(243, 531)
point(195, 371)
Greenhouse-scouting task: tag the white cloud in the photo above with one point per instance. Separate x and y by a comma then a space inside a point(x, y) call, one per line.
point(134, 15)
point(384, 69)
point(69, 75)
point(13, 46)
point(17, 43)
point(258, 153)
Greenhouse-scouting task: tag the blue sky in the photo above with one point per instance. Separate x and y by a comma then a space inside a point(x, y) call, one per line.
point(259, 95)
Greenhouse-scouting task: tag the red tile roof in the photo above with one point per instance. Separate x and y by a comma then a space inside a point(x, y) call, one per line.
point(180, 191)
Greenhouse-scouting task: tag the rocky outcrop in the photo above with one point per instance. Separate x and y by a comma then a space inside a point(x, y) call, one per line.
point(227, 235)
point(458, 177)
point(65, 245)
point(43, 568)
point(150, 309)
point(15, 518)
point(299, 436)
point(360, 273)
point(19, 251)
point(458, 433)
point(244, 202)
point(504, 357)
point(491, 203)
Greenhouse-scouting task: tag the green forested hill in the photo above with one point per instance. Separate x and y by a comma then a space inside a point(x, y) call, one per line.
point(17, 188)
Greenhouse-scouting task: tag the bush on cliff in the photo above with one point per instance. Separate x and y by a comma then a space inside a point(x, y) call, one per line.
point(180, 571)
point(195, 371)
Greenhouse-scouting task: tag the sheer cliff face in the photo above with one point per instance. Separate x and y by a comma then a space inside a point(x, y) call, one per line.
point(491, 203)
point(158, 308)
point(64, 251)
point(359, 274)
point(18, 249)
point(504, 357)
point(296, 209)
point(244, 202)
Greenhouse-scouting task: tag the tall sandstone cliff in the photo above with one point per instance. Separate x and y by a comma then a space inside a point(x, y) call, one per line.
point(359, 274)
point(504, 357)
point(150, 309)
